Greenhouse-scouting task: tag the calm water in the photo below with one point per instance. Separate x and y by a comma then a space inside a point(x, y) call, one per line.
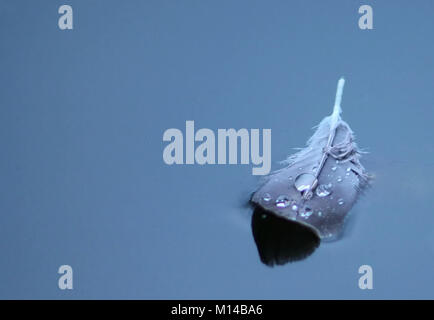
point(83, 112)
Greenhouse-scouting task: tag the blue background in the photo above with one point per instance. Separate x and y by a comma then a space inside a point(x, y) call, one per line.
point(82, 115)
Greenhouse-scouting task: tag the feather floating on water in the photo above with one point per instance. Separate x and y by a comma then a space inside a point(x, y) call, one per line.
point(316, 189)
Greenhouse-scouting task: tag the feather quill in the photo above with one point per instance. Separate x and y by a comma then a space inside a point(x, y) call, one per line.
point(320, 183)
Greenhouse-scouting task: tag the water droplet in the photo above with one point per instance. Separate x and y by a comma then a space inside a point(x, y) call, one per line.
point(348, 169)
point(319, 213)
point(304, 181)
point(294, 207)
point(337, 161)
point(340, 202)
point(306, 213)
point(339, 179)
point(266, 197)
point(347, 174)
point(290, 178)
point(282, 202)
point(334, 168)
point(323, 190)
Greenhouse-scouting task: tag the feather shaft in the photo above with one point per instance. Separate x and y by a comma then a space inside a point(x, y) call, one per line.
point(337, 107)
point(335, 117)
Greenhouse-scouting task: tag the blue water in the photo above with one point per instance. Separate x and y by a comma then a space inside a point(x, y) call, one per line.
point(83, 113)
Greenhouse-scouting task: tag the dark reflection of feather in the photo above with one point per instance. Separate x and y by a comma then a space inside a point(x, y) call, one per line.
point(280, 240)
